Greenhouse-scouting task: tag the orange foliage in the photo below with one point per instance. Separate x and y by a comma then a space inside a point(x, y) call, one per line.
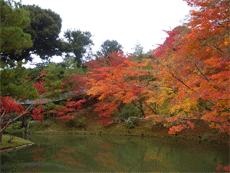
point(119, 84)
point(194, 60)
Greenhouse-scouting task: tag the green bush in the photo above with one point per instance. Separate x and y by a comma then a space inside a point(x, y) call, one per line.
point(47, 124)
point(49, 106)
point(129, 110)
point(81, 122)
point(76, 122)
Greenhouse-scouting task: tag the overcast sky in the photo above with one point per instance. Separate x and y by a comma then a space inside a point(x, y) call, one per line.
point(126, 21)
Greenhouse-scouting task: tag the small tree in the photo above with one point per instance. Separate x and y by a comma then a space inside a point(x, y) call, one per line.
point(138, 49)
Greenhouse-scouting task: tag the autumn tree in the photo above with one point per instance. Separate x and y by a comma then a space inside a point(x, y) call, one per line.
point(120, 82)
point(195, 63)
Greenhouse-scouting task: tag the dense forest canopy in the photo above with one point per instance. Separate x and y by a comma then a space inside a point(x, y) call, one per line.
point(184, 79)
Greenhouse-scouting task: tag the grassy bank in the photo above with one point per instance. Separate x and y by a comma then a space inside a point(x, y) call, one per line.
point(14, 143)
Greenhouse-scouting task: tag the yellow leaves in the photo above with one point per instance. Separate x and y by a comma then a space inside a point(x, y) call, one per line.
point(190, 106)
point(224, 104)
point(175, 109)
point(145, 62)
point(151, 97)
point(185, 106)
point(227, 42)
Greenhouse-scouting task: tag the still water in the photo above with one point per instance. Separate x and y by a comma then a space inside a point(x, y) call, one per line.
point(75, 153)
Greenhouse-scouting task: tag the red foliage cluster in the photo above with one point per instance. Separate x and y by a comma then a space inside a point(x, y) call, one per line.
point(43, 73)
point(114, 59)
point(8, 105)
point(225, 168)
point(40, 87)
point(37, 113)
point(70, 107)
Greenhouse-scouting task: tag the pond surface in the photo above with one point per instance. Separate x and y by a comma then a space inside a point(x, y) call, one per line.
point(75, 153)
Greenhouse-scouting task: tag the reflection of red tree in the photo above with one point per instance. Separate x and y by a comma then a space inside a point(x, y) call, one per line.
point(106, 145)
point(107, 160)
point(38, 154)
point(65, 156)
point(67, 151)
point(150, 157)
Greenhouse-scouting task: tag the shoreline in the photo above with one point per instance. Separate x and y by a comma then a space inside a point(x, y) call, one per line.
point(130, 135)
point(109, 134)
point(16, 148)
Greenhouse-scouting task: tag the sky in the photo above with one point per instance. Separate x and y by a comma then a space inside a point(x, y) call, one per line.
point(126, 21)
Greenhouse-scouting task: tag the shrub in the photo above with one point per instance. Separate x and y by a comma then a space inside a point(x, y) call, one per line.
point(129, 110)
point(47, 124)
point(81, 122)
point(50, 106)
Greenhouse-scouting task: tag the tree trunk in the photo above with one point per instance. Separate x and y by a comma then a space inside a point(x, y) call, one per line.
point(140, 107)
point(1, 132)
point(26, 124)
point(0, 137)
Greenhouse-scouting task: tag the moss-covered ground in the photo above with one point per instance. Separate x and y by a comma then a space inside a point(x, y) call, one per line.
point(14, 143)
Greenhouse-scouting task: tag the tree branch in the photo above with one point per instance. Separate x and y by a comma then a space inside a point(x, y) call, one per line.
point(205, 77)
point(12, 120)
point(183, 83)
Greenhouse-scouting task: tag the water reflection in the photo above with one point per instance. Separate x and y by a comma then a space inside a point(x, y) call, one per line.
point(72, 153)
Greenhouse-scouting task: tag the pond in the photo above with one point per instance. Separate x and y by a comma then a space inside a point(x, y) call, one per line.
point(91, 153)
